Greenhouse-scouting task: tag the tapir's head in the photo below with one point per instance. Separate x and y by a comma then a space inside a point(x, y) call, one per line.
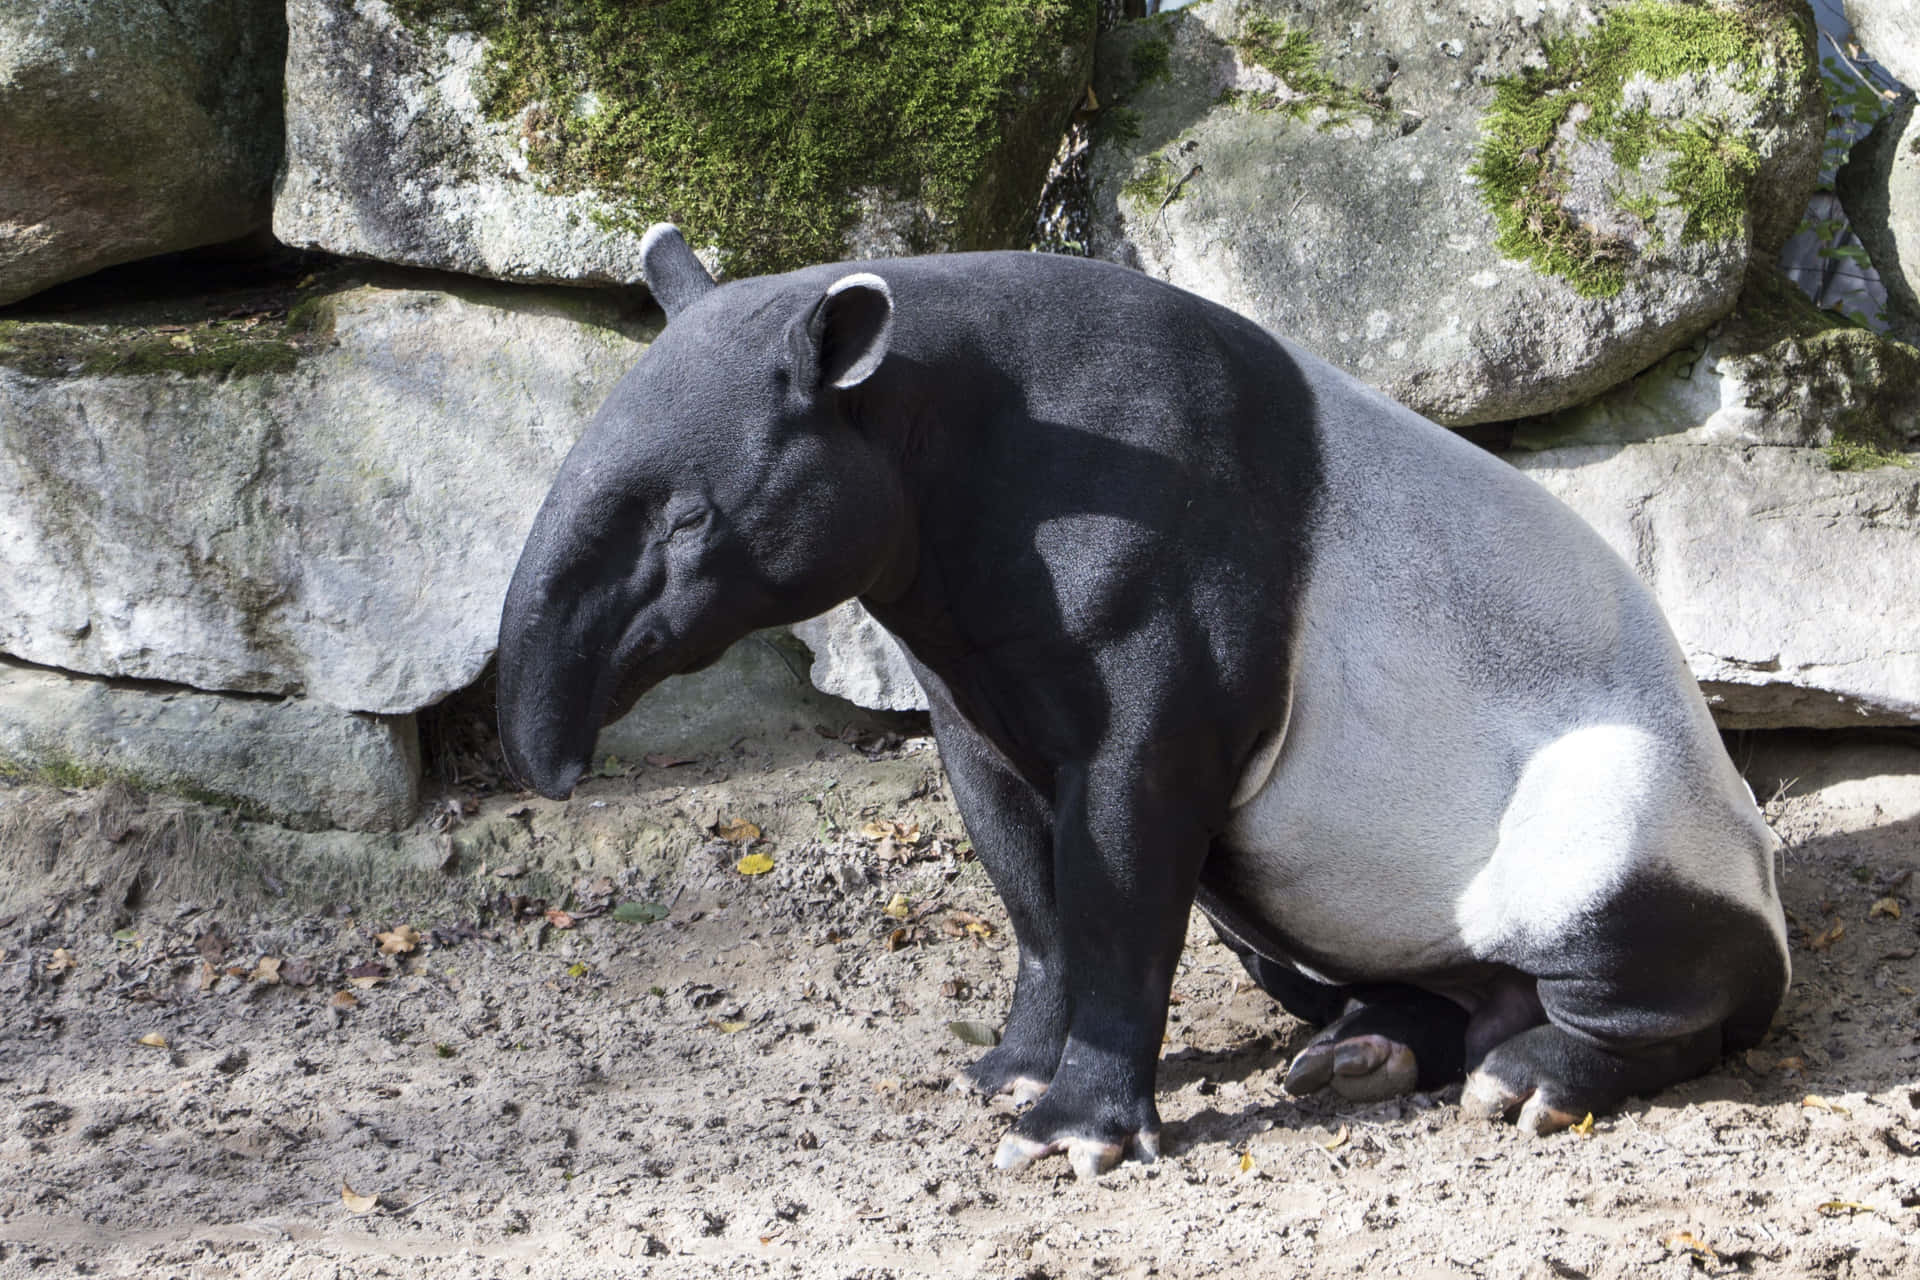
point(724, 486)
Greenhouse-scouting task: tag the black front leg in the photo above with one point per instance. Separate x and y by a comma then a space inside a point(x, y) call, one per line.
point(1129, 844)
point(1011, 826)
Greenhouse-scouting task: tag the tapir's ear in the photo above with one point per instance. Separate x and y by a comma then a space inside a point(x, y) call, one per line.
point(673, 275)
point(845, 336)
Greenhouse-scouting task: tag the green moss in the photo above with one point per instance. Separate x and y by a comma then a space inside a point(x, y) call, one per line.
point(754, 123)
point(1712, 167)
point(1152, 185)
point(228, 347)
point(1844, 454)
point(1150, 61)
point(1293, 57)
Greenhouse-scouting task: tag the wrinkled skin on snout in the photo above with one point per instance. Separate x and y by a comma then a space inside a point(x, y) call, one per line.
point(719, 490)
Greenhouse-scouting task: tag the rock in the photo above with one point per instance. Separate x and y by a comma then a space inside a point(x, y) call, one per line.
point(292, 760)
point(758, 689)
point(327, 503)
point(1765, 490)
point(856, 658)
point(1487, 214)
point(1889, 30)
point(537, 141)
point(1880, 189)
point(130, 128)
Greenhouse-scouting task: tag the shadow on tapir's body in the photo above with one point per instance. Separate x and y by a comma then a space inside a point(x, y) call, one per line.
point(1200, 618)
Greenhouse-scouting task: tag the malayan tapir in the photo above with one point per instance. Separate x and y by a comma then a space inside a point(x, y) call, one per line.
point(1201, 619)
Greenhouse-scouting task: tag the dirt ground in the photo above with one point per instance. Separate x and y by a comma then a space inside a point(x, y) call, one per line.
point(233, 1052)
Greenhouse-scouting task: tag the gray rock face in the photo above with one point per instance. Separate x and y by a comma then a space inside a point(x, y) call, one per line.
point(333, 514)
point(1325, 170)
point(1889, 30)
point(1880, 188)
point(855, 658)
point(1788, 582)
point(130, 128)
point(495, 140)
point(389, 157)
point(292, 760)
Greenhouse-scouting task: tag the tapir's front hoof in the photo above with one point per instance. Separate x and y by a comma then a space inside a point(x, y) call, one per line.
point(1094, 1137)
point(1367, 1068)
point(1087, 1157)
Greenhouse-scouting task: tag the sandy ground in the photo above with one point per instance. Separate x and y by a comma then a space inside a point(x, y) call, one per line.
point(757, 1083)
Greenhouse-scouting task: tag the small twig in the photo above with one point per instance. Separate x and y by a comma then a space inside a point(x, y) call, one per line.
point(1173, 192)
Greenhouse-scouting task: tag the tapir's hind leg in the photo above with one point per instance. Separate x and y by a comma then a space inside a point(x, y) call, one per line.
point(1664, 980)
point(1393, 1040)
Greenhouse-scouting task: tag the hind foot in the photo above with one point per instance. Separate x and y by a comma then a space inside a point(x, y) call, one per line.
point(1548, 1080)
point(1402, 1041)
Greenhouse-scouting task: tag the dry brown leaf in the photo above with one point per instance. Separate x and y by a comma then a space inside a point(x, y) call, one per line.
point(399, 940)
point(736, 830)
point(559, 919)
point(267, 971)
point(153, 1040)
point(1791, 1063)
point(61, 961)
point(660, 761)
point(1831, 935)
point(1686, 1240)
point(1888, 907)
point(754, 864)
point(355, 1202)
point(1818, 1103)
point(207, 976)
point(876, 830)
point(342, 1000)
point(1337, 1140)
point(902, 937)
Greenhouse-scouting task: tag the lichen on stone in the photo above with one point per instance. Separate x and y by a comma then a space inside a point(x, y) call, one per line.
point(757, 125)
point(1584, 85)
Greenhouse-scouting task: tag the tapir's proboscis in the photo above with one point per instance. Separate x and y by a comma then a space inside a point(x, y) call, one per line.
point(1201, 619)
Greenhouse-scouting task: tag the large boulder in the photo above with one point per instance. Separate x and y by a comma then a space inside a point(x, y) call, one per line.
point(537, 141)
point(1763, 484)
point(325, 501)
point(1889, 30)
point(292, 760)
point(1880, 189)
point(130, 128)
point(1486, 210)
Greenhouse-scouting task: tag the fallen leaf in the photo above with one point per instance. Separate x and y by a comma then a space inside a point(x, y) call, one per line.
point(1246, 1160)
point(153, 1040)
point(1791, 1063)
point(612, 768)
point(398, 941)
point(1831, 935)
point(640, 912)
point(1690, 1243)
point(955, 989)
point(984, 1034)
point(342, 1000)
point(127, 935)
point(876, 830)
point(736, 830)
point(207, 976)
point(559, 919)
point(904, 936)
point(212, 945)
point(754, 864)
point(1887, 907)
point(1585, 1127)
point(733, 1025)
point(579, 969)
point(659, 761)
point(267, 971)
point(897, 906)
point(61, 961)
point(1819, 1103)
point(1338, 1140)
point(355, 1202)
point(1836, 1208)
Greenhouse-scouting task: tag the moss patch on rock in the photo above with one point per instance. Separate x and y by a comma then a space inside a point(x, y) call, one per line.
point(1583, 84)
point(1294, 57)
point(271, 341)
point(757, 125)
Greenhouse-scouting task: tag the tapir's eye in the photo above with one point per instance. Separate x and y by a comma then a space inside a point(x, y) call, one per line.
point(692, 520)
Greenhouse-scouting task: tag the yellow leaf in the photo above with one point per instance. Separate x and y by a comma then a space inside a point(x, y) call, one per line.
point(876, 830)
point(898, 906)
point(399, 941)
point(60, 961)
point(731, 1027)
point(736, 830)
point(1884, 907)
point(1817, 1102)
point(1691, 1243)
point(579, 969)
point(1338, 1140)
point(153, 1040)
point(355, 1202)
point(754, 864)
point(1835, 1208)
point(1246, 1160)
point(1585, 1127)
point(980, 929)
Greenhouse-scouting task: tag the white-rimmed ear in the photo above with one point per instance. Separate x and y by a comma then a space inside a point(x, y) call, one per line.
point(673, 275)
point(845, 336)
